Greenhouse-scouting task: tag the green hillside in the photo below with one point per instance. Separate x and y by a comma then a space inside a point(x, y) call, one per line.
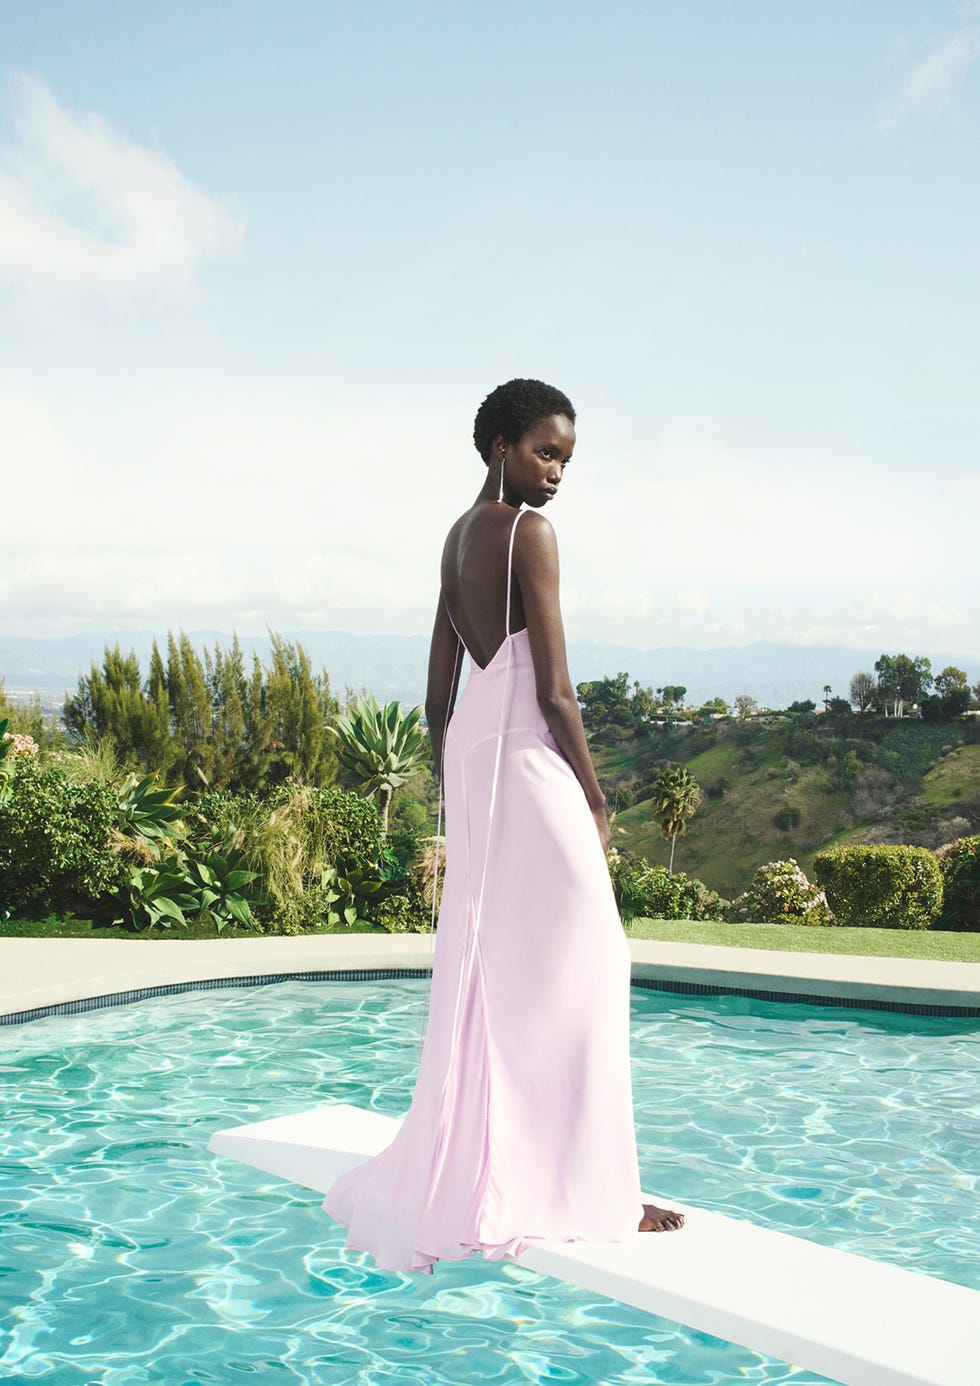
point(873, 780)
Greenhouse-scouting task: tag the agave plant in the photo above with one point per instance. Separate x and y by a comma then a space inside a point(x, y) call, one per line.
point(353, 891)
point(212, 882)
point(158, 893)
point(143, 811)
point(220, 879)
point(380, 748)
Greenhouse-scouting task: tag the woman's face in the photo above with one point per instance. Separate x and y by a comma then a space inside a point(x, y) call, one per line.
point(536, 462)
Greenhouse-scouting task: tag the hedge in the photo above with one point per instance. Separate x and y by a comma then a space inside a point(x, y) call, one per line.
point(960, 864)
point(881, 887)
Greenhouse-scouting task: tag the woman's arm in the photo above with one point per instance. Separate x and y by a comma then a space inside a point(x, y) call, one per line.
point(445, 666)
point(536, 566)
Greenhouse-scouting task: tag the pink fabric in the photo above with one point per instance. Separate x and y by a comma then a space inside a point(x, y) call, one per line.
point(520, 1127)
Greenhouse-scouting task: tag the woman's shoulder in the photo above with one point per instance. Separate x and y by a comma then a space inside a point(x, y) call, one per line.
point(535, 521)
point(535, 531)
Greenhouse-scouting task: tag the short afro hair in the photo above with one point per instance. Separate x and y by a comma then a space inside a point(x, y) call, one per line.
point(512, 409)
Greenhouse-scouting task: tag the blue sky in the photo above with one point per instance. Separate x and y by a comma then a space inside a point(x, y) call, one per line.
point(259, 265)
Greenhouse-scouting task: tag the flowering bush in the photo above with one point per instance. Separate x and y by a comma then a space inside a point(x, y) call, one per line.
point(18, 744)
point(13, 747)
point(781, 894)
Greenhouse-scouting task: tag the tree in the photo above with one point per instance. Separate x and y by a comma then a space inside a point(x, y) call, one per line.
point(863, 691)
point(714, 705)
point(827, 690)
point(605, 702)
point(744, 706)
point(228, 689)
point(642, 703)
point(209, 723)
point(673, 693)
point(298, 706)
point(902, 680)
point(802, 706)
point(953, 689)
point(676, 799)
point(190, 711)
point(380, 748)
point(110, 703)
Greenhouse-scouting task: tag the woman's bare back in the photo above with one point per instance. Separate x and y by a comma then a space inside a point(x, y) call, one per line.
point(474, 579)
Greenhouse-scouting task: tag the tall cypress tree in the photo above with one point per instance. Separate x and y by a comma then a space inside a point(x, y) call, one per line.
point(205, 721)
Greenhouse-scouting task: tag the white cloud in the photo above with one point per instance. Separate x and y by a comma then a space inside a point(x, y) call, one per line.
point(705, 545)
point(930, 85)
point(269, 506)
point(84, 206)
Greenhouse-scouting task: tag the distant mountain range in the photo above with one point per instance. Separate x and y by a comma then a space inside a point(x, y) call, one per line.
point(394, 666)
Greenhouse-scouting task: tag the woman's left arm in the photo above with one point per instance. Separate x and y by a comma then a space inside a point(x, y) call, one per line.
point(445, 665)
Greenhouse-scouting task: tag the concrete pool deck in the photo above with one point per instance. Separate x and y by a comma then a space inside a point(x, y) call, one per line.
point(37, 973)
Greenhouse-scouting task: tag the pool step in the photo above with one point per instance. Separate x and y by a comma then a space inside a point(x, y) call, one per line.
point(858, 1321)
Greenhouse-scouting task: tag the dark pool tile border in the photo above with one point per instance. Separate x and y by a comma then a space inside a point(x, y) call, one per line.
point(870, 1003)
point(366, 974)
point(122, 998)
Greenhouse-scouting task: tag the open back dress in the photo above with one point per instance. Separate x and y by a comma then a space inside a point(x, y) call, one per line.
point(521, 1125)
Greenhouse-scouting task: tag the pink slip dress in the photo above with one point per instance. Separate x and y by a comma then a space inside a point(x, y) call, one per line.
point(520, 1127)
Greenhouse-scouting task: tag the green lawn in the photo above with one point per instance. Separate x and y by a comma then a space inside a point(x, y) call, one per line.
point(894, 943)
point(53, 927)
point(798, 938)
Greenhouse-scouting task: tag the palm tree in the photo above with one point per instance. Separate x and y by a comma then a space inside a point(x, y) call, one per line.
point(380, 748)
point(676, 798)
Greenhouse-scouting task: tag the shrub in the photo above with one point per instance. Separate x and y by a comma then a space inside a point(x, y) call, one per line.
point(318, 853)
point(788, 817)
point(428, 859)
point(781, 894)
point(401, 914)
point(627, 875)
point(959, 863)
point(881, 887)
point(55, 841)
point(650, 892)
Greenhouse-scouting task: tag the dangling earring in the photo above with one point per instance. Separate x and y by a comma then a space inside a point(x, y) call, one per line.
point(500, 494)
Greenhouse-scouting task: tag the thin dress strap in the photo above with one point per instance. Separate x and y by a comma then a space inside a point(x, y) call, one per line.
point(510, 558)
point(459, 638)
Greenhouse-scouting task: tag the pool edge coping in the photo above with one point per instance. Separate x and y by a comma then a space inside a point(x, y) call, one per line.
point(102, 972)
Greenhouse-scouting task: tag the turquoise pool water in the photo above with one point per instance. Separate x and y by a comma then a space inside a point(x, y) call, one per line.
point(131, 1255)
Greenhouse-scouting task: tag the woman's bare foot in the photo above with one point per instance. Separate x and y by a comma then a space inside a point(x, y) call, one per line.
point(660, 1219)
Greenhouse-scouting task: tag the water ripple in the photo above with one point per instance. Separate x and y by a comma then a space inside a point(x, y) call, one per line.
point(132, 1256)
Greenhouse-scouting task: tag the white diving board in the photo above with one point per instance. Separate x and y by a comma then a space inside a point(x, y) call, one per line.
point(858, 1321)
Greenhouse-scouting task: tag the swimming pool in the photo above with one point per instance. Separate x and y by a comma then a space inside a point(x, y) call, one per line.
point(131, 1255)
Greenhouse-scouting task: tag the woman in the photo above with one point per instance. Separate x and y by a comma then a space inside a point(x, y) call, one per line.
point(521, 1123)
